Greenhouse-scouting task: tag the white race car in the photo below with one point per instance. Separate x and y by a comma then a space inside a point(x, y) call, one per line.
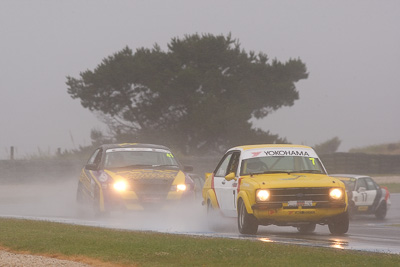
point(365, 195)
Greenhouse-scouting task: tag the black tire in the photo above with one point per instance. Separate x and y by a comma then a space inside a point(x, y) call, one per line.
point(96, 206)
point(83, 207)
point(247, 223)
point(211, 215)
point(213, 218)
point(307, 228)
point(352, 210)
point(340, 224)
point(381, 211)
point(79, 194)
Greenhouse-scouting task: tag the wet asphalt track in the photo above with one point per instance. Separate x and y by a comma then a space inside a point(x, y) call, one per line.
point(56, 202)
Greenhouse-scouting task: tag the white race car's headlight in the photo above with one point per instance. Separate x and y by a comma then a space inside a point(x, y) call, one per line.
point(120, 185)
point(262, 195)
point(336, 193)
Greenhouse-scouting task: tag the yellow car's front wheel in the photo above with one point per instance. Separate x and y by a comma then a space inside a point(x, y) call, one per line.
point(247, 223)
point(340, 224)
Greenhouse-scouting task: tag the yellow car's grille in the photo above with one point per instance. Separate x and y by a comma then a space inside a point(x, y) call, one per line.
point(315, 194)
point(151, 188)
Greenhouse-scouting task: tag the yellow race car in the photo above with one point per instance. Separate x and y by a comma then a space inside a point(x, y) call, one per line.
point(133, 177)
point(285, 185)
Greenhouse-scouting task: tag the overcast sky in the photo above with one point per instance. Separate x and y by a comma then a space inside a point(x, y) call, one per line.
point(351, 50)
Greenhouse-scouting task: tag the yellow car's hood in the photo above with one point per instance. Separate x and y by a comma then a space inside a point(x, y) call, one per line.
point(278, 180)
point(137, 174)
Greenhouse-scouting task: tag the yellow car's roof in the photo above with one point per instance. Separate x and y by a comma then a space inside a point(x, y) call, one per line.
point(248, 147)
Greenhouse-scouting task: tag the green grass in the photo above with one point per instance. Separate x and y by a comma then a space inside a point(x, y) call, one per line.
point(392, 187)
point(157, 249)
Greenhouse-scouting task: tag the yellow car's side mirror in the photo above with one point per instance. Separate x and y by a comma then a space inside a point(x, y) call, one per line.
point(230, 176)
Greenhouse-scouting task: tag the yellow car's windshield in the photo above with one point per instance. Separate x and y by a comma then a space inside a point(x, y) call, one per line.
point(118, 158)
point(277, 164)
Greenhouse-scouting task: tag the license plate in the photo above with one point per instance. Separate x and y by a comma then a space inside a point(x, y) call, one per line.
point(363, 208)
point(305, 203)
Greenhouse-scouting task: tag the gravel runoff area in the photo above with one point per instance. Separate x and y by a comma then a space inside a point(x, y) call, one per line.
point(8, 259)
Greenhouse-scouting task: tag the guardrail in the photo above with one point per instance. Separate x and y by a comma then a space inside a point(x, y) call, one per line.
point(54, 169)
point(359, 163)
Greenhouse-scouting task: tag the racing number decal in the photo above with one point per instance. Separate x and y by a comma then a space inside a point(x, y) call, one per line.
point(364, 196)
point(312, 160)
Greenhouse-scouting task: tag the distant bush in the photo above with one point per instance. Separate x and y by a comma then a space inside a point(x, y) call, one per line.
point(328, 147)
point(384, 149)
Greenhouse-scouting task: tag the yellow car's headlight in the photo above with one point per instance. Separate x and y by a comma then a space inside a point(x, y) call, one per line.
point(336, 193)
point(179, 187)
point(262, 195)
point(120, 185)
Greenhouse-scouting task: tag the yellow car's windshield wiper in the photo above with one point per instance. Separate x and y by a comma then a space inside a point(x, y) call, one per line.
point(267, 172)
point(138, 166)
point(166, 165)
point(308, 171)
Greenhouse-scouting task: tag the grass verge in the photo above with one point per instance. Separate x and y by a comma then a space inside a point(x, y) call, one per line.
point(129, 248)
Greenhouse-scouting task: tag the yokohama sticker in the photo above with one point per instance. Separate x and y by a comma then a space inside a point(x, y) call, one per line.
point(286, 153)
point(280, 152)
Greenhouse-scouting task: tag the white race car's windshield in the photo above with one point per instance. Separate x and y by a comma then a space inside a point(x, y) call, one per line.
point(118, 158)
point(278, 164)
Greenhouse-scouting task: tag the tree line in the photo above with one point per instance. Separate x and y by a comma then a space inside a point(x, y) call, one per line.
point(199, 95)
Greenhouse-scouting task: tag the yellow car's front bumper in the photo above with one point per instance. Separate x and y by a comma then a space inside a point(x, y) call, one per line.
point(286, 215)
point(131, 200)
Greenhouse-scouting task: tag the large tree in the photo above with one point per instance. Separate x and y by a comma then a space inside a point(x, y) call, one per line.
point(199, 95)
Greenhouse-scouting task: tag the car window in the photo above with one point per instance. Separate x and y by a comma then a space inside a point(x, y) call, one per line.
point(361, 183)
point(223, 166)
point(370, 184)
point(281, 163)
point(117, 158)
point(234, 163)
point(95, 158)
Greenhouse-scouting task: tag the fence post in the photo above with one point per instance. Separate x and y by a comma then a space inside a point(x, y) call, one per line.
point(12, 153)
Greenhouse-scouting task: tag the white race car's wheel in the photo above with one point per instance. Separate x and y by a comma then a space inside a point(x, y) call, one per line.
point(247, 223)
point(380, 212)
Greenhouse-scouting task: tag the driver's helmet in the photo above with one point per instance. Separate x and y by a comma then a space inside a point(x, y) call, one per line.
point(255, 165)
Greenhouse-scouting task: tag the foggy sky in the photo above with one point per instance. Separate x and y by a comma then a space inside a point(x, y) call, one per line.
point(351, 50)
